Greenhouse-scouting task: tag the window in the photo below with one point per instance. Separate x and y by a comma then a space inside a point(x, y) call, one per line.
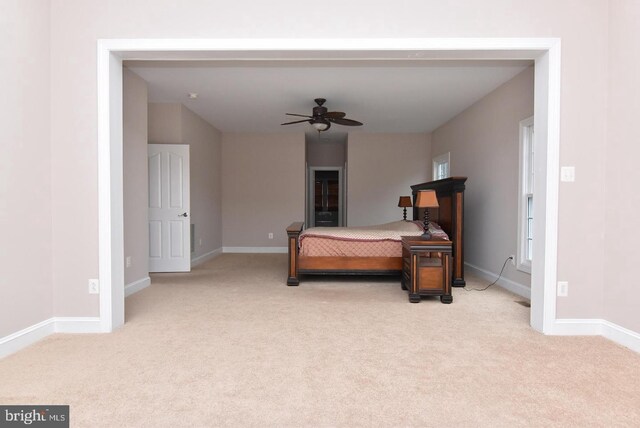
point(525, 197)
point(441, 166)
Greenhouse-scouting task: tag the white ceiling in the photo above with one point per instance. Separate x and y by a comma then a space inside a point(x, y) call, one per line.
point(387, 96)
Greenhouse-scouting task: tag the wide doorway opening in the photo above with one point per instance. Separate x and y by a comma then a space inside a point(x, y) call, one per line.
point(111, 53)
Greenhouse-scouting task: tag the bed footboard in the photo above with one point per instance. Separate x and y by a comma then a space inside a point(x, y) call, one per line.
point(293, 233)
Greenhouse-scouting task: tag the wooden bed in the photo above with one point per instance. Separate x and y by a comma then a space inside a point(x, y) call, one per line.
point(450, 216)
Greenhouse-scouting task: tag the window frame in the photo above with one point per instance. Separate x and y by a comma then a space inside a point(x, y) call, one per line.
point(526, 195)
point(443, 159)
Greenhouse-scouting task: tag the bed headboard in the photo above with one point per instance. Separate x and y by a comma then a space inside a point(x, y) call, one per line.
point(450, 215)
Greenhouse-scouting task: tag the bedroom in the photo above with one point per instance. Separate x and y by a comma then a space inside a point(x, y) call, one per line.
point(56, 89)
point(278, 157)
point(403, 139)
point(75, 92)
point(544, 53)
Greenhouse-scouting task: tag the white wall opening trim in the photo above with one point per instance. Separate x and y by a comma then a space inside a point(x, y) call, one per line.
point(544, 51)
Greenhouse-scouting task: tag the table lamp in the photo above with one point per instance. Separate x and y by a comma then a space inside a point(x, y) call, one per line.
point(405, 202)
point(426, 199)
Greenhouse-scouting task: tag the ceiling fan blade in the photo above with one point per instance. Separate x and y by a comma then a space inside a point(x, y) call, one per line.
point(321, 115)
point(297, 121)
point(343, 121)
point(301, 115)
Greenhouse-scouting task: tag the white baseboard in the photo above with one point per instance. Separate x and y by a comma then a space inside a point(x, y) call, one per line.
point(30, 335)
point(136, 286)
point(25, 337)
point(577, 327)
point(598, 327)
point(515, 287)
point(206, 257)
point(255, 249)
point(77, 325)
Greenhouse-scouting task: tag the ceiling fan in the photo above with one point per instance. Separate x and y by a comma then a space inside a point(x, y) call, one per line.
point(322, 119)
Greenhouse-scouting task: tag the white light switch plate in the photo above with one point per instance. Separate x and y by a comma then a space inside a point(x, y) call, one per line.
point(563, 288)
point(568, 173)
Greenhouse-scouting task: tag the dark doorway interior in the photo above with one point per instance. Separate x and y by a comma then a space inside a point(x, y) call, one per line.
point(326, 198)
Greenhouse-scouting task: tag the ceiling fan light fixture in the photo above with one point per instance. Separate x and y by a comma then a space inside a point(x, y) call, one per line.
point(321, 125)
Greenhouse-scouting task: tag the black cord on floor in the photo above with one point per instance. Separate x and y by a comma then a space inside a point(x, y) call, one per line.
point(499, 276)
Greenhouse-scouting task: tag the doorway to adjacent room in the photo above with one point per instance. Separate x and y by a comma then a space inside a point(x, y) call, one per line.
point(326, 195)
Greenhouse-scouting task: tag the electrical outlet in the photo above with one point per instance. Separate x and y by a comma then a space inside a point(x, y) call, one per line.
point(513, 259)
point(200, 242)
point(270, 235)
point(127, 261)
point(568, 174)
point(563, 288)
point(94, 286)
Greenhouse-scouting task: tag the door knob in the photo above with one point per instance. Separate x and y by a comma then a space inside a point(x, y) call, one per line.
point(183, 215)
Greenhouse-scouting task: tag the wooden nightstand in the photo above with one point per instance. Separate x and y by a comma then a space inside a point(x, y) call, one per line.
point(426, 268)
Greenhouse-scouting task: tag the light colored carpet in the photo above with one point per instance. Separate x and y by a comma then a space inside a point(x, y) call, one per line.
point(231, 345)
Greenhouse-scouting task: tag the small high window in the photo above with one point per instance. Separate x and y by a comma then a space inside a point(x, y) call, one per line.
point(441, 166)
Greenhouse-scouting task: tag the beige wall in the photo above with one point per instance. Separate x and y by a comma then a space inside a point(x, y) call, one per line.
point(206, 181)
point(165, 123)
point(622, 221)
point(25, 166)
point(325, 153)
point(173, 123)
point(381, 168)
point(484, 145)
point(262, 187)
point(76, 25)
point(135, 176)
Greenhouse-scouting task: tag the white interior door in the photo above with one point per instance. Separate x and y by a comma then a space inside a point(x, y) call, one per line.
point(169, 219)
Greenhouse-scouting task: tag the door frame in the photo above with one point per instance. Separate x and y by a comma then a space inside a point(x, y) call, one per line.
point(545, 52)
point(311, 193)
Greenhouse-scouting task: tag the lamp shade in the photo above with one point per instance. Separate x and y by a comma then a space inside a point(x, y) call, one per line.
point(405, 201)
point(427, 199)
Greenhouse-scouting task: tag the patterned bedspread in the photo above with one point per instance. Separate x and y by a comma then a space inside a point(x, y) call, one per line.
point(382, 240)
